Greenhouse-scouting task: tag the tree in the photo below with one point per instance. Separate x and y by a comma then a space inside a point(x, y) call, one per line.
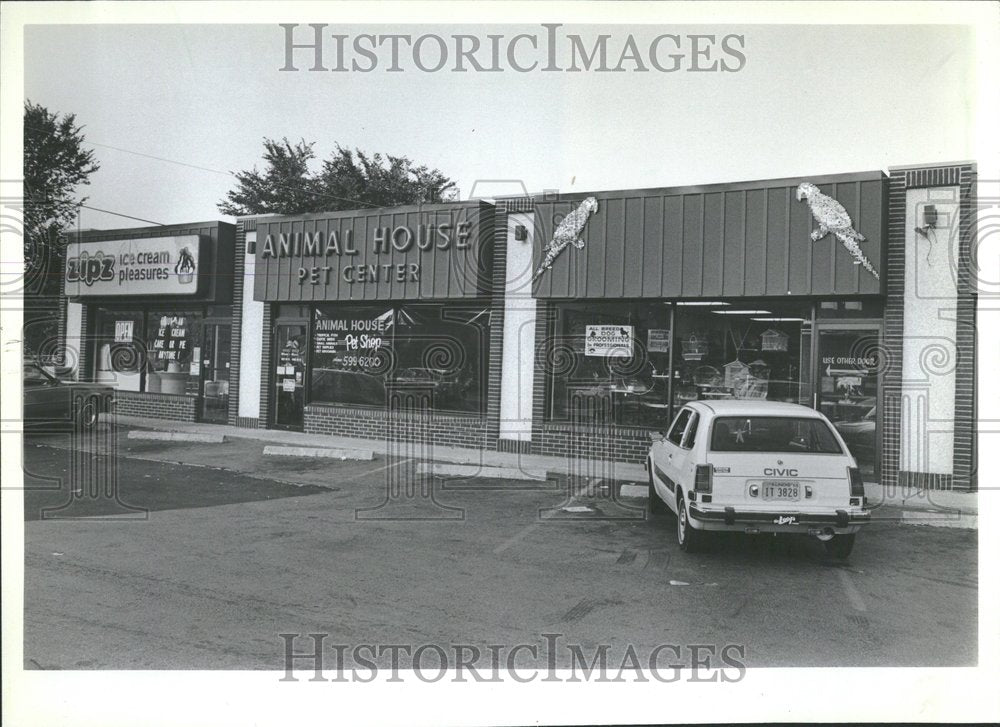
point(55, 164)
point(347, 180)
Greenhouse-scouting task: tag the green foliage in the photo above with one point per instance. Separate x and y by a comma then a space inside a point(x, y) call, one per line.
point(346, 180)
point(55, 164)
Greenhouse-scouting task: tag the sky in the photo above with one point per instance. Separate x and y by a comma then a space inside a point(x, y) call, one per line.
point(172, 110)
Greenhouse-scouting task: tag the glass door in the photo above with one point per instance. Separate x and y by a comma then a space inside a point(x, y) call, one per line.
point(214, 356)
point(850, 360)
point(290, 372)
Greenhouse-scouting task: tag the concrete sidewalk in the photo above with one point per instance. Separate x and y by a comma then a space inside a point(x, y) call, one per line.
point(916, 500)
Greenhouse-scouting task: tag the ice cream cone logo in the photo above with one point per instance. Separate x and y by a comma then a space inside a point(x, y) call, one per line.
point(185, 267)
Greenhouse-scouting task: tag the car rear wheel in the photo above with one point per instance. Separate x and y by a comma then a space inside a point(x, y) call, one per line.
point(88, 415)
point(688, 538)
point(656, 505)
point(840, 546)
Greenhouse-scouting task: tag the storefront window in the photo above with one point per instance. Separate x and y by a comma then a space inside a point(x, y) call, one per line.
point(120, 348)
point(359, 353)
point(174, 351)
point(755, 350)
point(610, 362)
point(352, 354)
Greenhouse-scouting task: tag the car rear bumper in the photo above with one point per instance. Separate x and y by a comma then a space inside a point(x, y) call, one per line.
point(774, 521)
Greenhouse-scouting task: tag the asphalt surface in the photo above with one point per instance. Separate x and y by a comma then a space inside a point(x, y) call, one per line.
point(221, 549)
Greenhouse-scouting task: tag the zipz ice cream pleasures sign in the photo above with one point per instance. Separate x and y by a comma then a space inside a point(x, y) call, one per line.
point(148, 266)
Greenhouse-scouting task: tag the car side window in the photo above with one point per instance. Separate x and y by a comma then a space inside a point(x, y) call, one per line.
point(692, 431)
point(676, 432)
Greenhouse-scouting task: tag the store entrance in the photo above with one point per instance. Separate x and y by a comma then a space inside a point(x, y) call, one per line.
point(290, 372)
point(214, 354)
point(850, 359)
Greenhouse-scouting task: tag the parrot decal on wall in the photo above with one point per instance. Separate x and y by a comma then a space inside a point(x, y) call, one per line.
point(568, 231)
point(831, 216)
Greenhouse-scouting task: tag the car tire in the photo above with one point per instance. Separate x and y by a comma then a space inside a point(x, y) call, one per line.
point(88, 415)
point(689, 539)
point(656, 505)
point(840, 546)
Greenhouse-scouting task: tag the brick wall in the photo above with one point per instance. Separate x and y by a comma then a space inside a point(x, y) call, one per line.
point(892, 335)
point(265, 366)
point(964, 461)
point(495, 355)
point(159, 406)
point(441, 429)
point(236, 336)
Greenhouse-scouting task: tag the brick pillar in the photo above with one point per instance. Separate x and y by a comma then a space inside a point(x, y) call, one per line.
point(495, 357)
point(236, 336)
point(266, 371)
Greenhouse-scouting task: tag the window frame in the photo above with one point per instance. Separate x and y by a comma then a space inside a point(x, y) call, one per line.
point(673, 425)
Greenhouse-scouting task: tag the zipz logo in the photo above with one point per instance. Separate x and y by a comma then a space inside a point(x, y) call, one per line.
point(784, 520)
point(90, 268)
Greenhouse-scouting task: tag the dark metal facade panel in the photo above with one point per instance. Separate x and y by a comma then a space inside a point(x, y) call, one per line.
point(747, 239)
point(454, 272)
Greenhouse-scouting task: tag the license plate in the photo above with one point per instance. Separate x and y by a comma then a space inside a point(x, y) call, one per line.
point(772, 490)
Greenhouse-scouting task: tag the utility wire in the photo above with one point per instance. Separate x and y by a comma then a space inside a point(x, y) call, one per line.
point(220, 171)
point(119, 214)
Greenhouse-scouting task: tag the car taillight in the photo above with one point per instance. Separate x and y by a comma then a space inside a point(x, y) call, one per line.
point(857, 483)
point(703, 478)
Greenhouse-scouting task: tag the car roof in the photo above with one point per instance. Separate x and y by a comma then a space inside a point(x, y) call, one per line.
point(754, 407)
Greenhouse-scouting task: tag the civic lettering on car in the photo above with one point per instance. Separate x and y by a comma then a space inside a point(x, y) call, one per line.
point(780, 472)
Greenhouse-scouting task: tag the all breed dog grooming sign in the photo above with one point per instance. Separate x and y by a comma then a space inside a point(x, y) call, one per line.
point(147, 266)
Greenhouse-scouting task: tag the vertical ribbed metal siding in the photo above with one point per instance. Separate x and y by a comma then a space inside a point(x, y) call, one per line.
point(722, 242)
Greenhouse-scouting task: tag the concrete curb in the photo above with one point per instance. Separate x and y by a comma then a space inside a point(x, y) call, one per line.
point(358, 454)
point(176, 436)
point(498, 473)
point(640, 492)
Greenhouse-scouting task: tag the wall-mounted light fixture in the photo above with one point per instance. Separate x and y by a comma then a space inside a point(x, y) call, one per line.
point(520, 233)
point(930, 215)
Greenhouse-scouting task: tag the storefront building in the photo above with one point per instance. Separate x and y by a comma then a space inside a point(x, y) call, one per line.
point(372, 322)
point(848, 293)
point(150, 311)
point(569, 325)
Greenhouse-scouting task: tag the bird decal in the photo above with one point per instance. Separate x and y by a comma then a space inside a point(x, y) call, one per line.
point(831, 216)
point(568, 231)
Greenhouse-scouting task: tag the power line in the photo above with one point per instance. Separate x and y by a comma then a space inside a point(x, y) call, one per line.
point(119, 214)
point(228, 174)
point(213, 171)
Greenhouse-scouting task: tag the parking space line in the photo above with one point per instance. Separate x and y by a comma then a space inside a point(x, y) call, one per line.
point(513, 540)
point(857, 602)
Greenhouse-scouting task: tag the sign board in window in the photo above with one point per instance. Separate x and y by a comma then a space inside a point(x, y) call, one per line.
point(658, 340)
point(123, 331)
point(144, 266)
point(351, 342)
point(171, 342)
point(609, 341)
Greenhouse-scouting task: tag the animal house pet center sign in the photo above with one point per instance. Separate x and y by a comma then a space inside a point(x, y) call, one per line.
point(433, 251)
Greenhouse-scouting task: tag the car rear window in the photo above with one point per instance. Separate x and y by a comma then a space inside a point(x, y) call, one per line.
point(773, 434)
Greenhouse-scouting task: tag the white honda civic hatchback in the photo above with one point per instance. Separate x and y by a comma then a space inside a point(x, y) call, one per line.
point(756, 467)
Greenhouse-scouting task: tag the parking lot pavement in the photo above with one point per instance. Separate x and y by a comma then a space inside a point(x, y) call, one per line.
point(229, 558)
